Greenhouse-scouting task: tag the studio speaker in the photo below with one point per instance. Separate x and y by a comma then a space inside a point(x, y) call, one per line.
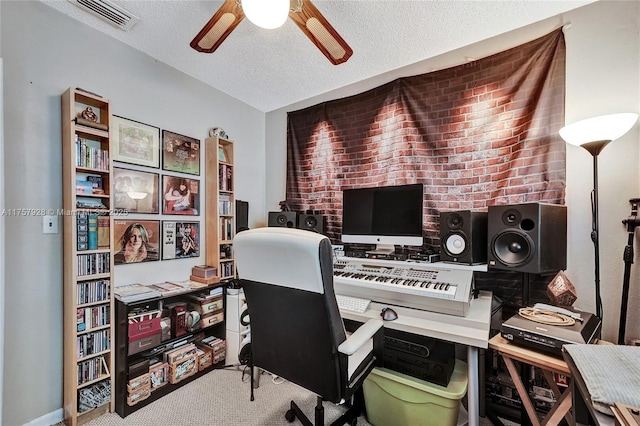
point(528, 238)
point(463, 237)
point(312, 222)
point(283, 219)
point(242, 215)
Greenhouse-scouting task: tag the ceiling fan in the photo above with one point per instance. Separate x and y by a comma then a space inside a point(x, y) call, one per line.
point(302, 12)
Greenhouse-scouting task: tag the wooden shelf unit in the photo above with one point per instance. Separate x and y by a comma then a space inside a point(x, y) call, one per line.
point(88, 272)
point(124, 360)
point(221, 219)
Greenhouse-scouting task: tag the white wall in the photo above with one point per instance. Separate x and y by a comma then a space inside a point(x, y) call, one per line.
point(44, 53)
point(603, 63)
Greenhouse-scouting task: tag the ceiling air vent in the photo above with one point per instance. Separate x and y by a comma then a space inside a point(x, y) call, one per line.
point(109, 12)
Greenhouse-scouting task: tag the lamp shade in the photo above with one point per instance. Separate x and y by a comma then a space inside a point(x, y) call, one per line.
point(603, 128)
point(267, 14)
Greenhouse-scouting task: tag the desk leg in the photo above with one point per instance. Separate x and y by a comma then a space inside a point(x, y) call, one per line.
point(473, 393)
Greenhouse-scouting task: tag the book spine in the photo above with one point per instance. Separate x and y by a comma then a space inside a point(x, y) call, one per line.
point(93, 232)
point(82, 231)
point(103, 232)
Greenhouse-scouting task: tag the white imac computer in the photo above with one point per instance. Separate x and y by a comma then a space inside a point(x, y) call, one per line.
point(385, 216)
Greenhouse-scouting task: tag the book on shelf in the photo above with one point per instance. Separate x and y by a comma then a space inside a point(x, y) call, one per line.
point(93, 231)
point(167, 288)
point(96, 184)
point(82, 229)
point(103, 232)
point(84, 187)
point(207, 281)
point(189, 284)
point(135, 292)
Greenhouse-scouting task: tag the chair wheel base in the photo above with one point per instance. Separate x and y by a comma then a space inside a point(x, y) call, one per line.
point(290, 415)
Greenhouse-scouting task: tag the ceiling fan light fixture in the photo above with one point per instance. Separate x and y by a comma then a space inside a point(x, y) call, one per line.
point(268, 14)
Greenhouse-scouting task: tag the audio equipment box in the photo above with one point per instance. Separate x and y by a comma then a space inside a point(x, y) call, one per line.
point(463, 237)
point(283, 219)
point(530, 238)
point(549, 338)
point(419, 356)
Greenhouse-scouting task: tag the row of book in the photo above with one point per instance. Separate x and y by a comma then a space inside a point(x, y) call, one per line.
point(226, 229)
point(227, 269)
point(225, 206)
point(226, 177)
point(93, 231)
point(92, 369)
point(93, 263)
point(90, 156)
point(93, 343)
point(92, 317)
point(93, 291)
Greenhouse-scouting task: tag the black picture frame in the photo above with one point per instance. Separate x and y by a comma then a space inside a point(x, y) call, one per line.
point(148, 231)
point(180, 153)
point(180, 239)
point(134, 142)
point(136, 191)
point(180, 196)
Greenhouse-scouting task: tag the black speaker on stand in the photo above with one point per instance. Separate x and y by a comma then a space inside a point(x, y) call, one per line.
point(529, 238)
point(283, 219)
point(463, 237)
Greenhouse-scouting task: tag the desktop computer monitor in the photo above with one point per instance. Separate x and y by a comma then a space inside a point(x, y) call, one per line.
point(385, 216)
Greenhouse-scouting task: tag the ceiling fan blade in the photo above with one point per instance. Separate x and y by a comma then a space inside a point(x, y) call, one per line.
point(225, 20)
point(320, 32)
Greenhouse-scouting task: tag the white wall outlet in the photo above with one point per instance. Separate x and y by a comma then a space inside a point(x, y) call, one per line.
point(49, 224)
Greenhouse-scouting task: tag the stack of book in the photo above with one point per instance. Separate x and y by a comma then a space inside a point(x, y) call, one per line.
point(135, 292)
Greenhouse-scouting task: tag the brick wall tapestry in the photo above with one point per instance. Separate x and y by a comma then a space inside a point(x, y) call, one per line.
point(475, 135)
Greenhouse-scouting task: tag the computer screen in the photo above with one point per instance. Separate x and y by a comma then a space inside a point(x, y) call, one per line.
point(385, 216)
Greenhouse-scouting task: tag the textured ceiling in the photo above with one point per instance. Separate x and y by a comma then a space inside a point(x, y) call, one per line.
point(270, 69)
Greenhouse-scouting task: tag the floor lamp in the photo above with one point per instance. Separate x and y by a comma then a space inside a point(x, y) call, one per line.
point(593, 134)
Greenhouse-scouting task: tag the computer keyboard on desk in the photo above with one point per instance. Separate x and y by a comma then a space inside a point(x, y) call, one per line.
point(353, 304)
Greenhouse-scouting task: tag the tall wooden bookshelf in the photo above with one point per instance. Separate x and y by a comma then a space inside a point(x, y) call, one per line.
point(220, 222)
point(88, 257)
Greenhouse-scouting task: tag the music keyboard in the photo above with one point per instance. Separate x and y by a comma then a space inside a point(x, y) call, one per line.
point(413, 285)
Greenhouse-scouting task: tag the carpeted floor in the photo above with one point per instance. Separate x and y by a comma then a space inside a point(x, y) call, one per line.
point(221, 398)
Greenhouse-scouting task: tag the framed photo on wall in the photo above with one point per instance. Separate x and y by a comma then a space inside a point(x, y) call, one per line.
point(180, 196)
point(180, 153)
point(136, 241)
point(135, 142)
point(180, 239)
point(136, 191)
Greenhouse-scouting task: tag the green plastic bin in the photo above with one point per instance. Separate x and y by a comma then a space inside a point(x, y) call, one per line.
point(395, 399)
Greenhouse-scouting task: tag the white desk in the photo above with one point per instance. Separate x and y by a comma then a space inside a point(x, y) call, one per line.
point(472, 331)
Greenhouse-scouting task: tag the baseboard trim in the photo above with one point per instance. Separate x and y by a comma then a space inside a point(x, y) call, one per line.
point(48, 419)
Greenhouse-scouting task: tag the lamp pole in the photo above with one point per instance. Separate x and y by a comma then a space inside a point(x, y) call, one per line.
point(593, 134)
point(594, 149)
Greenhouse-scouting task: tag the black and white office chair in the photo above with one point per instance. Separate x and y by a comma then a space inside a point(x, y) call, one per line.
point(297, 332)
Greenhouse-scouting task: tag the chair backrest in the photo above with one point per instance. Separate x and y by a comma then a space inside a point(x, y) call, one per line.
point(296, 327)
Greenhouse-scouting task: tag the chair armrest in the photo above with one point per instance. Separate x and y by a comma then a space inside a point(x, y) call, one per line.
point(360, 336)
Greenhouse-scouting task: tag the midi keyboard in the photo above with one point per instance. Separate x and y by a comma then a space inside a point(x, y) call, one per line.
point(413, 285)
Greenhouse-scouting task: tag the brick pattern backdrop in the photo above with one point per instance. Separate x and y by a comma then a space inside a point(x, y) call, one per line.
point(475, 135)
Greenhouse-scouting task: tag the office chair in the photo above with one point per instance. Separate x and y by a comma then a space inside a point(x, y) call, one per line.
point(297, 332)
